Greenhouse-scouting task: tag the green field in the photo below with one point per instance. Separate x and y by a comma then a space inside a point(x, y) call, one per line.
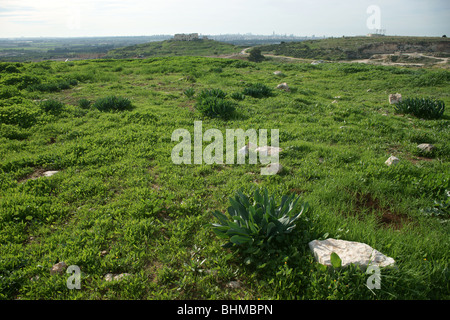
point(120, 205)
point(174, 48)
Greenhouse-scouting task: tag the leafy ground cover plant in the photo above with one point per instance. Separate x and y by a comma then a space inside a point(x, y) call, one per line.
point(189, 92)
point(257, 227)
point(84, 103)
point(258, 219)
point(212, 103)
point(113, 103)
point(421, 107)
point(257, 90)
point(52, 106)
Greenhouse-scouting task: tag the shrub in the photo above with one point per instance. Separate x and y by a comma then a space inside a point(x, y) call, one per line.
point(215, 107)
point(84, 103)
point(257, 220)
point(9, 68)
point(20, 81)
point(13, 132)
point(53, 86)
point(421, 107)
point(212, 103)
point(255, 55)
point(257, 90)
point(113, 103)
point(19, 115)
point(430, 79)
point(215, 93)
point(440, 209)
point(237, 96)
point(52, 106)
point(189, 92)
point(7, 92)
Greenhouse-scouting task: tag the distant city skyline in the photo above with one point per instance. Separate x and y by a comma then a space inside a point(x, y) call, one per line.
point(330, 18)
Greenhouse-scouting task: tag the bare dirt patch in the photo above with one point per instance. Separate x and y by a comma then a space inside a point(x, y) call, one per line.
point(384, 215)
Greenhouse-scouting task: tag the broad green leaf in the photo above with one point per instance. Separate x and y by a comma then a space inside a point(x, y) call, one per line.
point(239, 239)
point(240, 209)
point(227, 245)
point(221, 217)
point(336, 261)
point(270, 227)
point(220, 234)
point(258, 198)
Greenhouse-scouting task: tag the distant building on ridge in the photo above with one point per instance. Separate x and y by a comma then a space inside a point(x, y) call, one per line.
point(186, 37)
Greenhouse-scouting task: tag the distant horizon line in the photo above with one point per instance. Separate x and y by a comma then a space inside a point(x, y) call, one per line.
point(209, 35)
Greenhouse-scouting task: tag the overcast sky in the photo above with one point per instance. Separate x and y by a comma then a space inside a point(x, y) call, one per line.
point(68, 18)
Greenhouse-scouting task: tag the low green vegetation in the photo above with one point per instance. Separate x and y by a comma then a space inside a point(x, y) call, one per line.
point(119, 205)
point(212, 103)
point(421, 107)
point(348, 48)
point(199, 47)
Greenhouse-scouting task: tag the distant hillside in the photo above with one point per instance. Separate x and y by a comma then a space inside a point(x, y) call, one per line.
point(350, 48)
point(175, 48)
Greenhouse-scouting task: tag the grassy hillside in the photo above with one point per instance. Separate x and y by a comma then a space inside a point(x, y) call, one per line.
point(358, 47)
point(175, 48)
point(119, 205)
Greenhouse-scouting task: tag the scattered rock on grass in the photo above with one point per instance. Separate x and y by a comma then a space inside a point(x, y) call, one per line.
point(245, 149)
point(283, 86)
point(234, 284)
point(116, 277)
point(426, 147)
point(349, 252)
point(58, 268)
point(273, 168)
point(49, 173)
point(268, 150)
point(392, 161)
point(395, 98)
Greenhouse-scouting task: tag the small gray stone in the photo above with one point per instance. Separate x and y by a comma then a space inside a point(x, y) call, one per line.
point(58, 268)
point(49, 173)
point(268, 150)
point(395, 98)
point(426, 147)
point(283, 86)
point(234, 284)
point(392, 161)
point(272, 169)
point(116, 277)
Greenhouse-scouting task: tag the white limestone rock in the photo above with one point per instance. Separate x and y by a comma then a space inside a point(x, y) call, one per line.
point(272, 169)
point(116, 277)
point(349, 252)
point(49, 173)
point(392, 161)
point(234, 284)
point(395, 98)
point(426, 147)
point(283, 86)
point(268, 150)
point(248, 147)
